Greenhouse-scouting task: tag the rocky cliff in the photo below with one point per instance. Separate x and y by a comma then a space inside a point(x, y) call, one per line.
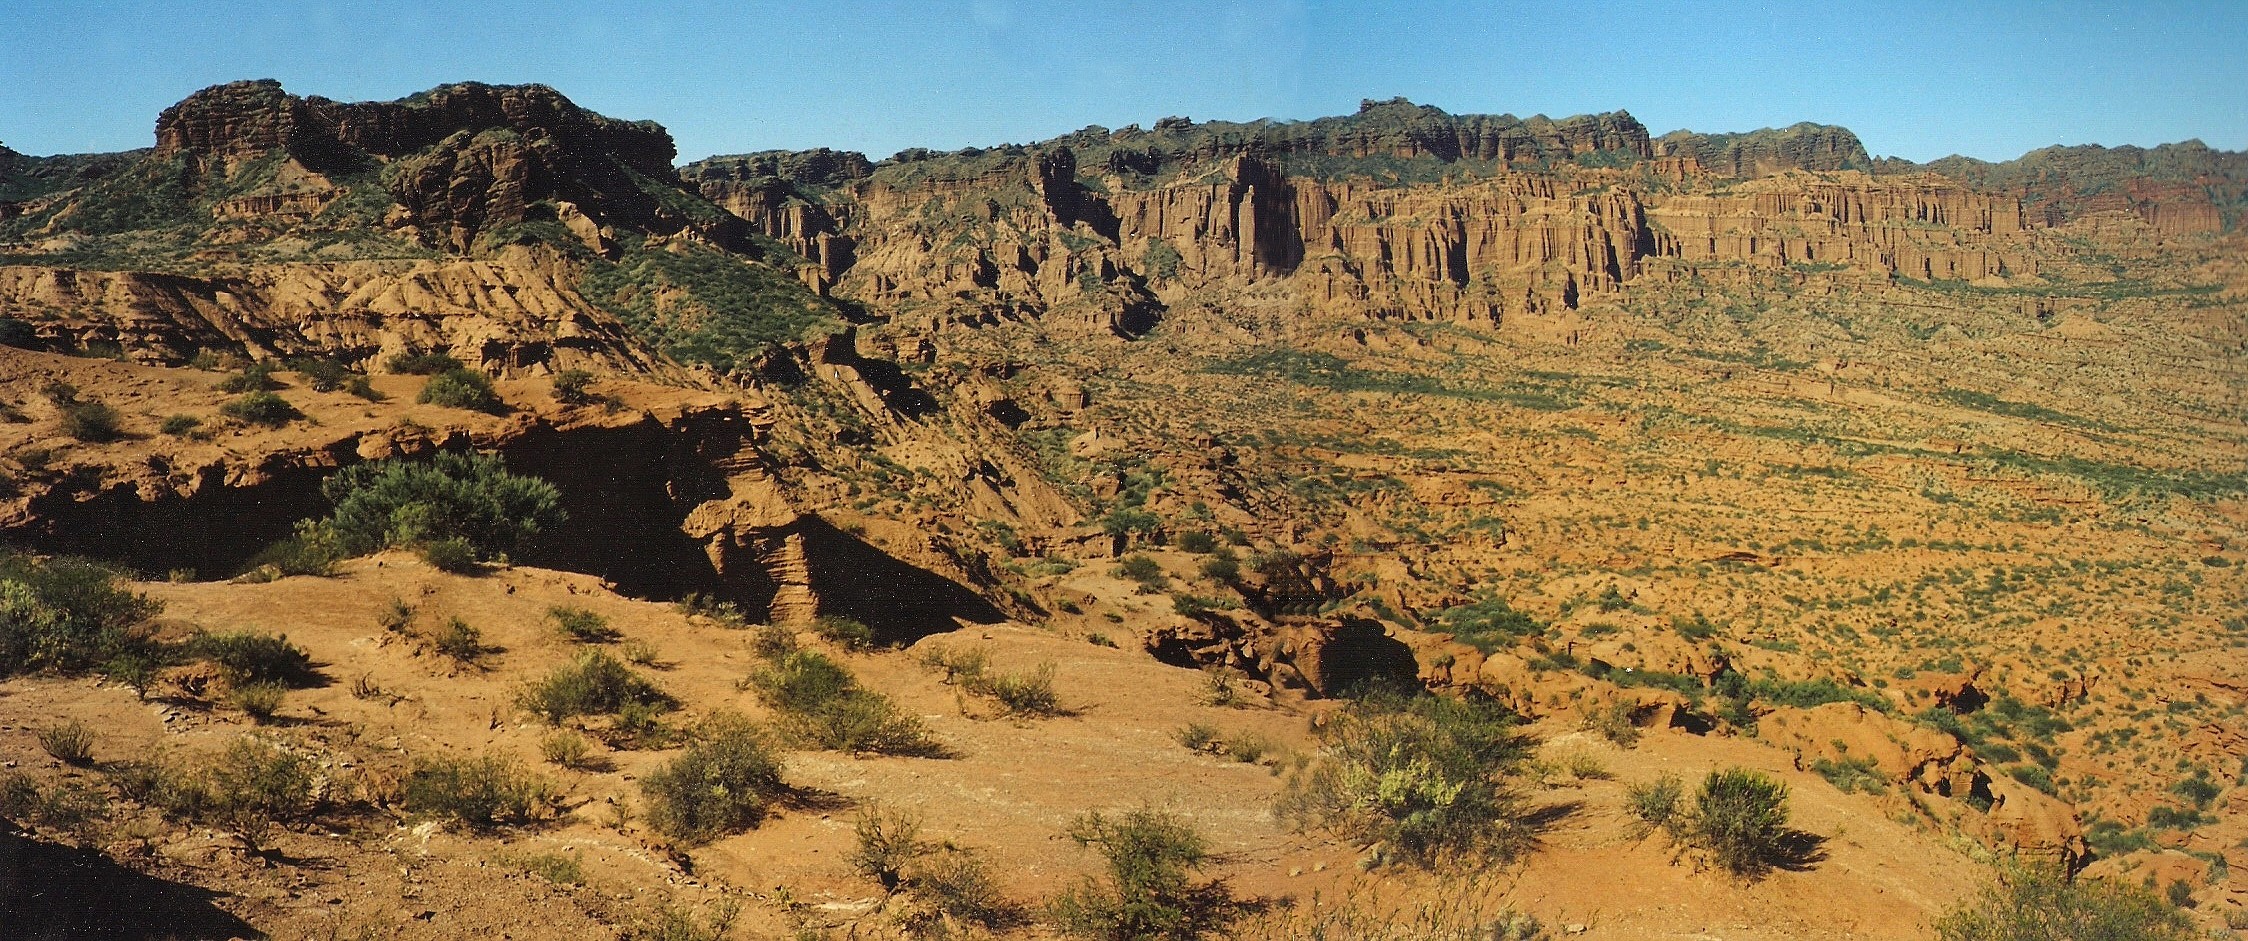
point(1758, 153)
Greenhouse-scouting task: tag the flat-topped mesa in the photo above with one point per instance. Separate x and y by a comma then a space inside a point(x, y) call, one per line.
point(1759, 153)
point(468, 158)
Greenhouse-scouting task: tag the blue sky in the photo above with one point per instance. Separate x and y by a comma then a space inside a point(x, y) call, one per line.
point(1914, 79)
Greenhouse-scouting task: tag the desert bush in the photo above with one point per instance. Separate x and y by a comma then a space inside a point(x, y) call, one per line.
point(482, 792)
point(593, 684)
point(453, 495)
point(888, 841)
point(640, 653)
point(952, 883)
point(1222, 566)
point(1739, 817)
point(462, 388)
point(20, 796)
point(558, 868)
point(1197, 541)
point(91, 421)
point(67, 614)
point(459, 640)
point(1852, 774)
point(1654, 803)
point(723, 783)
point(450, 554)
point(1425, 774)
point(364, 388)
point(1612, 722)
point(1028, 693)
point(1140, 568)
point(822, 705)
point(179, 426)
point(255, 377)
point(421, 364)
point(1148, 890)
point(261, 408)
point(1198, 736)
point(396, 616)
point(581, 625)
point(2038, 904)
point(247, 789)
point(245, 658)
point(313, 549)
point(71, 743)
point(574, 387)
point(259, 700)
point(323, 375)
point(665, 921)
point(847, 633)
point(771, 642)
point(568, 749)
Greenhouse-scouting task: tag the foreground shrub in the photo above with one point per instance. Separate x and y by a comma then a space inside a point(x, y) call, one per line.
point(71, 743)
point(245, 658)
point(91, 421)
point(822, 705)
point(581, 625)
point(261, 408)
point(482, 792)
point(723, 783)
point(67, 614)
point(459, 640)
point(451, 496)
point(2038, 904)
point(421, 364)
point(1739, 818)
point(593, 684)
point(462, 388)
point(1029, 693)
point(1654, 804)
point(847, 633)
point(1424, 774)
point(259, 700)
point(888, 841)
point(450, 554)
point(248, 789)
point(1148, 891)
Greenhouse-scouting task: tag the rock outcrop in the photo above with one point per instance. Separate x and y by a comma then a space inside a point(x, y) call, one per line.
point(1769, 151)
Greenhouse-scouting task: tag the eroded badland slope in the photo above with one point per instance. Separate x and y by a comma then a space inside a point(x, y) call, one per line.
point(1919, 489)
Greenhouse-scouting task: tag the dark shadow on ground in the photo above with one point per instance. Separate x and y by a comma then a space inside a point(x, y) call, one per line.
point(50, 892)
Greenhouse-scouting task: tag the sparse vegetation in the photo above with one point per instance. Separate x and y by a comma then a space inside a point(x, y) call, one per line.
point(581, 625)
point(822, 705)
point(1425, 775)
point(261, 408)
point(1739, 818)
point(67, 615)
point(593, 684)
point(71, 743)
point(467, 389)
point(481, 792)
point(2036, 904)
point(1148, 890)
point(723, 783)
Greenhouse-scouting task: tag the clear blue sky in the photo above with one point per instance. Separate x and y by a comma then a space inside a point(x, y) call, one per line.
point(1914, 79)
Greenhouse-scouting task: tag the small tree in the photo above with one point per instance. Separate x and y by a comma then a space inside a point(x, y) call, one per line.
point(574, 387)
point(2040, 904)
point(1740, 818)
point(453, 495)
point(1148, 891)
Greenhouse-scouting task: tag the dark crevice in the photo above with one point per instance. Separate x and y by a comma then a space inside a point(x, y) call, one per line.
point(50, 892)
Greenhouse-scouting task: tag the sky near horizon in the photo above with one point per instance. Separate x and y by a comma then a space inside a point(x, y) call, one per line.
point(1914, 79)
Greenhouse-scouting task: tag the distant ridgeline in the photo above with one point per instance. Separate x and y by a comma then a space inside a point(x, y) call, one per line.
point(1400, 210)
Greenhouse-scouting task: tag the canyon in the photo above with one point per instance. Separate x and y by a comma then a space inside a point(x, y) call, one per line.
point(1920, 487)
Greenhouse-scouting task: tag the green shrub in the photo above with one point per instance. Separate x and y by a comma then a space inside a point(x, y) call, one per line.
point(1613, 722)
point(245, 658)
point(1850, 775)
point(463, 389)
point(1197, 541)
point(180, 426)
point(458, 640)
point(2037, 904)
point(558, 868)
point(483, 792)
point(1222, 566)
point(822, 705)
point(1140, 568)
point(450, 554)
point(1198, 736)
point(91, 421)
point(1739, 818)
point(1489, 625)
point(1425, 774)
point(421, 364)
point(951, 882)
point(313, 550)
point(67, 614)
point(581, 625)
point(1654, 804)
point(364, 388)
point(1148, 890)
point(259, 700)
point(255, 377)
point(723, 783)
point(261, 408)
point(847, 633)
point(593, 684)
point(1030, 693)
point(888, 841)
point(574, 387)
point(452, 495)
point(246, 789)
point(71, 743)
point(323, 375)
